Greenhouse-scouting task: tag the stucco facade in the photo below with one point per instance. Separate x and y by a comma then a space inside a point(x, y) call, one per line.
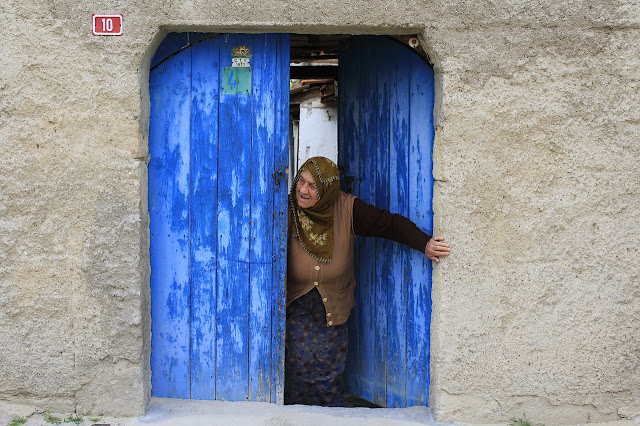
point(536, 156)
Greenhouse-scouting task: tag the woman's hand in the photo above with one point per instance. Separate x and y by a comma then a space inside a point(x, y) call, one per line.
point(436, 247)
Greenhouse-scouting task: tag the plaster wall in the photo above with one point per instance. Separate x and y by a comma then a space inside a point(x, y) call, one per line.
point(537, 310)
point(318, 132)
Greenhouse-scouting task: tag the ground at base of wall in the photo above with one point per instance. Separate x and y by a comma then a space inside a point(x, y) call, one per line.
point(173, 412)
point(29, 415)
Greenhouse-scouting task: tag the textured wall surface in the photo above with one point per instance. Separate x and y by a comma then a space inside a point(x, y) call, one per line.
point(318, 132)
point(537, 145)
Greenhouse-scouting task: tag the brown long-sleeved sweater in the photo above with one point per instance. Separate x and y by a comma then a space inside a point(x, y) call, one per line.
point(335, 281)
point(370, 221)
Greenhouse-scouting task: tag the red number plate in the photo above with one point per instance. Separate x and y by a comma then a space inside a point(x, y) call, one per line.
point(107, 24)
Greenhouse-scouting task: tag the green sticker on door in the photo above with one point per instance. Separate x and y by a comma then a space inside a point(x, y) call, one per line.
point(236, 81)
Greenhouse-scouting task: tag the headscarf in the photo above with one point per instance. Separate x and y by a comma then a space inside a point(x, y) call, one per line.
point(314, 226)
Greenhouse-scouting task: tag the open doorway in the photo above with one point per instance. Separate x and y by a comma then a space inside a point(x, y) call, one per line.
point(382, 91)
point(313, 102)
point(219, 145)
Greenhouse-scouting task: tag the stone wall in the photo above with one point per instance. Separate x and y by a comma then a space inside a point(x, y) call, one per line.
point(537, 310)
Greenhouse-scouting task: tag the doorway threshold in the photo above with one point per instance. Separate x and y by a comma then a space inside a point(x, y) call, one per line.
point(176, 412)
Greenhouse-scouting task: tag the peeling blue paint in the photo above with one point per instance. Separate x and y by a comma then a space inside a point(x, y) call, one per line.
point(217, 246)
point(386, 138)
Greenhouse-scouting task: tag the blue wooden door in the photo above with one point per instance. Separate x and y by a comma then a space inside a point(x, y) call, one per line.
point(385, 144)
point(218, 141)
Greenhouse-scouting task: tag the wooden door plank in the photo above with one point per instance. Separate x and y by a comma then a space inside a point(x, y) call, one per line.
point(367, 246)
point(420, 190)
point(234, 206)
point(170, 85)
point(279, 227)
point(398, 171)
point(384, 262)
point(262, 124)
point(349, 142)
point(204, 162)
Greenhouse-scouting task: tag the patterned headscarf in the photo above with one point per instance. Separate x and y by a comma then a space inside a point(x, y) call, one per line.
point(314, 226)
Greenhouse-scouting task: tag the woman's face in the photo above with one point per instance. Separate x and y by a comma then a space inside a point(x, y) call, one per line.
point(306, 193)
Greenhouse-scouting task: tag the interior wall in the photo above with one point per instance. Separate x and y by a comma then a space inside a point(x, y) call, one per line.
point(537, 190)
point(318, 132)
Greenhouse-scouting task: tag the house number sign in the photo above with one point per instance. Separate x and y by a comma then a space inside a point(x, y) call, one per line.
point(107, 25)
point(236, 79)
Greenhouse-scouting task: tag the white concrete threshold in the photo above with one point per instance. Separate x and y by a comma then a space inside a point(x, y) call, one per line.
point(176, 412)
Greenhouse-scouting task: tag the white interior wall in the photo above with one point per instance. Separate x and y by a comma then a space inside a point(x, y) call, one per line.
point(317, 132)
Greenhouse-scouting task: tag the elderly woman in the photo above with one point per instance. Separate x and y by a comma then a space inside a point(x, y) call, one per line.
point(323, 223)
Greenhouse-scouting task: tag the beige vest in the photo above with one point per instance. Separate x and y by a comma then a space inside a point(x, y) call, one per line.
point(335, 280)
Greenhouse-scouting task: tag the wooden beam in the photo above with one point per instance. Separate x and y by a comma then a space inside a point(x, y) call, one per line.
point(305, 72)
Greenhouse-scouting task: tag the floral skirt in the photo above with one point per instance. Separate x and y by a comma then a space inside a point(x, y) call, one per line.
point(315, 355)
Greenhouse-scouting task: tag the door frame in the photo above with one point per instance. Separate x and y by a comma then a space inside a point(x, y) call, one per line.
point(429, 54)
